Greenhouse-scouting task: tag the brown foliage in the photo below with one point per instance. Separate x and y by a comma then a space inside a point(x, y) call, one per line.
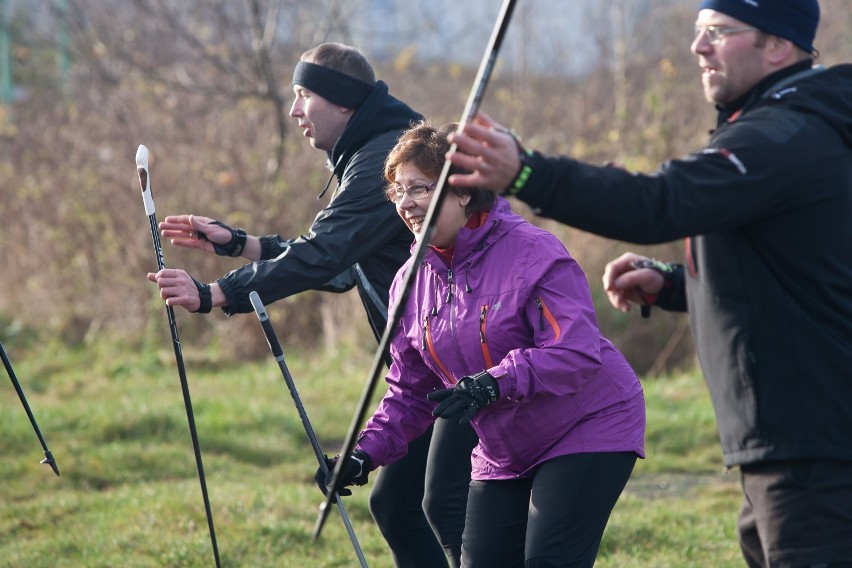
point(207, 91)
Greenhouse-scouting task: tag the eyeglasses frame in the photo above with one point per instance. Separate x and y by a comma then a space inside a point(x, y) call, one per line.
point(395, 196)
point(716, 34)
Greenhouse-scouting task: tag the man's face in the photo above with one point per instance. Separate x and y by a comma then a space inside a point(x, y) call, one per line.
point(321, 121)
point(734, 64)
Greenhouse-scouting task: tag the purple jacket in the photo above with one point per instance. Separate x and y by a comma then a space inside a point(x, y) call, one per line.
point(516, 304)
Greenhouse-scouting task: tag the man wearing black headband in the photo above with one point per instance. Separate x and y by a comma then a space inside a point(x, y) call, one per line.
point(766, 208)
point(357, 240)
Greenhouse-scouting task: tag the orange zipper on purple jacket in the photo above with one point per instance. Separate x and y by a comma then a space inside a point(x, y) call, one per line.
point(482, 340)
point(427, 343)
point(544, 313)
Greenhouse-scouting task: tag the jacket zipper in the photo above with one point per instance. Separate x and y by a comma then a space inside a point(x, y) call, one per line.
point(545, 314)
point(483, 343)
point(427, 344)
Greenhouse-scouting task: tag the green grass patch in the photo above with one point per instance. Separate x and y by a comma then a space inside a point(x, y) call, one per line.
point(129, 493)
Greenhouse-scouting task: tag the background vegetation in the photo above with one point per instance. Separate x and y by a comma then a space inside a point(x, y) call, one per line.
point(205, 85)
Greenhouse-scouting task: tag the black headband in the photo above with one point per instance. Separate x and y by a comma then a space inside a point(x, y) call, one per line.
point(334, 86)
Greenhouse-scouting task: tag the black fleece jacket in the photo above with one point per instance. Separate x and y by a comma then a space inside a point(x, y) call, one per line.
point(357, 239)
point(767, 209)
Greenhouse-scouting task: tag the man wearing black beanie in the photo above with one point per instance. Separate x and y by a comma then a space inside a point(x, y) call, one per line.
point(766, 208)
point(356, 240)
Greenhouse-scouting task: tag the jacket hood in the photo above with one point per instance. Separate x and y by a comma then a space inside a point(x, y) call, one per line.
point(379, 113)
point(826, 93)
point(501, 220)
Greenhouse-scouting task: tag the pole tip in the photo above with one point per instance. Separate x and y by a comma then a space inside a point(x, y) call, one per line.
point(323, 514)
point(48, 459)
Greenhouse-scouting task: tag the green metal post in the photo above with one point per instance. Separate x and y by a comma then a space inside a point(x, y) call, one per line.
point(5, 58)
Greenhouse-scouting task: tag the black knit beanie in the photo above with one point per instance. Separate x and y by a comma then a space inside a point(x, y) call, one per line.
point(796, 20)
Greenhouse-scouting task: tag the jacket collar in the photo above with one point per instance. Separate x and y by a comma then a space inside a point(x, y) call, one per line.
point(733, 110)
point(471, 242)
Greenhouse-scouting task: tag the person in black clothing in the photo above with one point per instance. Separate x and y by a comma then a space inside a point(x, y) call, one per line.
point(356, 240)
point(766, 208)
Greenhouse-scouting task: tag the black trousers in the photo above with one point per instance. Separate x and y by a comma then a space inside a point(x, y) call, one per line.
point(419, 501)
point(796, 514)
point(556, 517)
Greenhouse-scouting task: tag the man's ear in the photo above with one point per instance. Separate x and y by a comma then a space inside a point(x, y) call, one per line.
point(779, 52)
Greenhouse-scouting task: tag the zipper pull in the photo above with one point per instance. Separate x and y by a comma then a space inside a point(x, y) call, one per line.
point(540, 313)
point(482, 325)
point(449, 286)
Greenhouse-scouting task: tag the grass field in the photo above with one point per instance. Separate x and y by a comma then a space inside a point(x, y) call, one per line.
point(129, 493)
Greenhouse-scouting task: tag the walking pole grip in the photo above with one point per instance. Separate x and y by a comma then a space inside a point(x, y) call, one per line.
point(268, 330)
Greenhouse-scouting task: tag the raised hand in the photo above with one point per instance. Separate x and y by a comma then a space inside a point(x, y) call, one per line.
point(203, 233)
point(488, 151)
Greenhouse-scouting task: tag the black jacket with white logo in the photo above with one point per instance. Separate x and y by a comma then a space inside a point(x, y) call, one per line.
point(767, 210)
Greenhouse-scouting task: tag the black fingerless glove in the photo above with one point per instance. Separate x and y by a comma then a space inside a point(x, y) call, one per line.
point(205, 295)
point(468, 396)
point(233, 247)
point(354, 472)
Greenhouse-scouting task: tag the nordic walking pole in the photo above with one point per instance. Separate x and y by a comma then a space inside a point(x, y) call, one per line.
point(474, 100)
point(148, 200)
point(278, 353)
point(48, 457)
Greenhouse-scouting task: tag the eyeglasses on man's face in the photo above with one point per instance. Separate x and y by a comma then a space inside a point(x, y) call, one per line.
point(395, 192)
point(717, 33)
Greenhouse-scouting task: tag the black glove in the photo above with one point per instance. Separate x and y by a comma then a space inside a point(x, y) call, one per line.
point(354, 472)
point(470, 394)
point(234, 247)
point(205, 296)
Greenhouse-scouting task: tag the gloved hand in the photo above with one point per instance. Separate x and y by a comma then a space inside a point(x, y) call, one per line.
point(234, 247)
point(354, 472)
point(469, 395)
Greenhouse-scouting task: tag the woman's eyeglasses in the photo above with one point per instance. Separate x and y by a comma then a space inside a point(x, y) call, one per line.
point(417, 191)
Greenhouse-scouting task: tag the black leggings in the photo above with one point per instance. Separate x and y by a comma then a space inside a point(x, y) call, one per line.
point(556, 517)
point(424, 496)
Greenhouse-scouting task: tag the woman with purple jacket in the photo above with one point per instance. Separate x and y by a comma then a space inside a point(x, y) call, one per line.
point(500, 331)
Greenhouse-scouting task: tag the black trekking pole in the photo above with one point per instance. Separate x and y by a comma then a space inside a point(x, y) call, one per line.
point(148, 200)
point(474, 100)
point(278, 353)
point(48, 457)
